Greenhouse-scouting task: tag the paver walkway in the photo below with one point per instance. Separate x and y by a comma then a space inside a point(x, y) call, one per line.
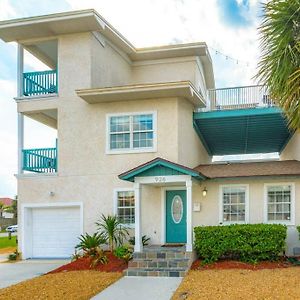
point(137, 288)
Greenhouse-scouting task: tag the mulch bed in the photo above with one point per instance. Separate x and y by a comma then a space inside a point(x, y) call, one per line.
point(114, 264)
point(232, 264)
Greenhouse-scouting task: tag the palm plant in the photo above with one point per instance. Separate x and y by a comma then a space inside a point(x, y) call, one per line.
point(279, 66)
point(112, 230)
point(89, 244)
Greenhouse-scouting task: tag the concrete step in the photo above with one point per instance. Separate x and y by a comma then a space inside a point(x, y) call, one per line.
point(161, 272)
point(162, 255)
point(159, 263)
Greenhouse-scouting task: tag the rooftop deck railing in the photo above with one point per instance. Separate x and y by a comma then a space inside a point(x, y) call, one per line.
point(41, 160)
point(239, 98)
point(40, 83)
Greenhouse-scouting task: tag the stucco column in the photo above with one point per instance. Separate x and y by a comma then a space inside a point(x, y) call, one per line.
point(20, 69)
point(137, 210)
point(189, 223)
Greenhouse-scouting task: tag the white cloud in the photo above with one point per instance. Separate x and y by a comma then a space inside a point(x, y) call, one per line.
point(6, 10)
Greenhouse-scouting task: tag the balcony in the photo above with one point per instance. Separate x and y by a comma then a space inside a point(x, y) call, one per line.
point(242, 120)
point(243, 97)
point(41, 160)
point(40, 83)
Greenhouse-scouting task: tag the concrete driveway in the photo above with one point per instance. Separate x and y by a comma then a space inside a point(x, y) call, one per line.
point(12, 273)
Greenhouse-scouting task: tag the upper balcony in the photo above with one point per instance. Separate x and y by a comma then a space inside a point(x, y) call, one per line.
point(40, 83)
point(242, 120)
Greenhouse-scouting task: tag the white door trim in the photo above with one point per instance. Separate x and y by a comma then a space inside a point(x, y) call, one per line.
point(163, 209)
point(25, 209)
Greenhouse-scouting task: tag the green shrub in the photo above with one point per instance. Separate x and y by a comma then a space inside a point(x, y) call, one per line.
point(145, 240)
point(298, 228)
point(89, 243)
point(14, 256)
point(247, 242)
point(124, 252)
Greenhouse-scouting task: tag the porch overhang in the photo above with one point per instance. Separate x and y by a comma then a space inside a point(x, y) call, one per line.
point(182, 89)
point(243, 131)
point(160, 167)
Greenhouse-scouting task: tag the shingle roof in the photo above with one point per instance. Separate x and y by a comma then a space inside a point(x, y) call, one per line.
point(268, 168)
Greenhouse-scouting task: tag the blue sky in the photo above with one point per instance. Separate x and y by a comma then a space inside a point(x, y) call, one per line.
point(227, 26)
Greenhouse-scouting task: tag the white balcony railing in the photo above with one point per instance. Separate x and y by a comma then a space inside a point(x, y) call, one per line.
point(239, 98)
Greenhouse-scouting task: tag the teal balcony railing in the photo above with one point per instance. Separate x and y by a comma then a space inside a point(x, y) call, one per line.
point(239, 98)
point(40, 83)
point(42, 160)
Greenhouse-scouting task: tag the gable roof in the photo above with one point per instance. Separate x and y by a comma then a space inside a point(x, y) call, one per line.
point(250, 169)
point(159, 167)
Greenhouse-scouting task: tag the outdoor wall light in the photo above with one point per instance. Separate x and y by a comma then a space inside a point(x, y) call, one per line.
point(51, 194)
point(204, 192)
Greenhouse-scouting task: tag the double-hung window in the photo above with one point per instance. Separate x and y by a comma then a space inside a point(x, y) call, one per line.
point(131, 132)
point(125, 206)
point(234, 204)
point(279, 203)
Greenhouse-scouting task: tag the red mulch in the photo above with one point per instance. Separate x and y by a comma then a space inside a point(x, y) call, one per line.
point(232, 264)
point(114, 264)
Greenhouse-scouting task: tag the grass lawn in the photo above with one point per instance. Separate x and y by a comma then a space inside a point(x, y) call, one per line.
point(66, 285)
point(279, 283)
point(6, 245)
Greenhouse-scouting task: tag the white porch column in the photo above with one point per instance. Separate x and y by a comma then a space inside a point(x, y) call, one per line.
point(189, 223)
point(20, 68)
point(137, 228)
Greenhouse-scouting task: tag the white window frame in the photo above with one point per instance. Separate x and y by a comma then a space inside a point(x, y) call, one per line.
point(221, 217)
point(285, 222)
point(116, 203)
point(131, 150)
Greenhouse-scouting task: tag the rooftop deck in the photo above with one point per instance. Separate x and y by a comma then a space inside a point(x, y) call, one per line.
point(242, 97)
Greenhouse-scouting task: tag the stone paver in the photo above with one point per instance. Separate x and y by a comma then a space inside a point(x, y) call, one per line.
point(137, 288)
point(12, 273)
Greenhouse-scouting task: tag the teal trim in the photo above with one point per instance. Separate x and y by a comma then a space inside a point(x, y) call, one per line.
point(159, 167)
point(175, 231)
point(40, 83)
point(236, 113)
point(201, 138)
point(40, 160)
point(243, 131)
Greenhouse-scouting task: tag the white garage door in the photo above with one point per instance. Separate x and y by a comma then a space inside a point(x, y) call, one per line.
point(55, 231)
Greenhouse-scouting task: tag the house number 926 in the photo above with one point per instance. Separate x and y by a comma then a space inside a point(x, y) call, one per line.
point(160, 179)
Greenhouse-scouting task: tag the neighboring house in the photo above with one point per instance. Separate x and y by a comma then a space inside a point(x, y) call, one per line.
point(136, 133)
point(6, 201)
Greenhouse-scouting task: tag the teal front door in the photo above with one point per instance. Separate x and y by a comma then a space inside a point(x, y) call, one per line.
point(176, 216)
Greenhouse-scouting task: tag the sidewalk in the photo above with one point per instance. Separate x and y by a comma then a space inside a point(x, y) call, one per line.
point(137, 288)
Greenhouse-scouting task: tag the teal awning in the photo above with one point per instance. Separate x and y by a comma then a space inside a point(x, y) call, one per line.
point(159, 167)
point(243, 131)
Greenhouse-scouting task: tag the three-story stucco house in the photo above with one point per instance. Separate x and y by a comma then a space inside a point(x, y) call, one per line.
point(136, 133)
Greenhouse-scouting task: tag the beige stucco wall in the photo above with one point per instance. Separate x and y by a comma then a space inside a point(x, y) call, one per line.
point(164, 70)
point(292, 149)
point(210, 207)
point(191, 151)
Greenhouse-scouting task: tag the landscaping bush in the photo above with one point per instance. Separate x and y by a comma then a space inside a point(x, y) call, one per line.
point(247, 242)
point(124, 252)
point(298, 228)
